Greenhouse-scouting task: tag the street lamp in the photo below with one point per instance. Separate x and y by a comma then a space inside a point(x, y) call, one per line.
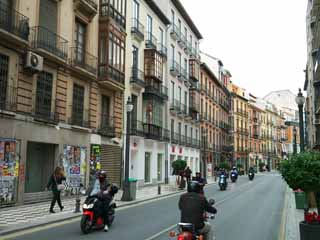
point(126, 189)
point(294, 140)
point(300, 100)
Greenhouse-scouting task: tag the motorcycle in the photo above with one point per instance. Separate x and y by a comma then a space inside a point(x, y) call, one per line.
point(233, 176)
point(92, 218)
point(186, 231)
point(223, 182)
point(251, 176)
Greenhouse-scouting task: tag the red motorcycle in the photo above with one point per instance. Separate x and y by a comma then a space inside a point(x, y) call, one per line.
point(186, 231)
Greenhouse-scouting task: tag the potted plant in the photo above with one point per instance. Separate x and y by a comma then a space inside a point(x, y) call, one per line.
point(178, 169)
point(302, 171)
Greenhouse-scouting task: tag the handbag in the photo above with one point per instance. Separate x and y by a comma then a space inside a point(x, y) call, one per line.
point(60, 187)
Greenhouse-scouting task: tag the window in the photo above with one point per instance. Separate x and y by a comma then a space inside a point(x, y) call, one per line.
point(136, 11)
point(172, 54)
point(77, 104)
point(4, 72)
point(172, 17)
point(196, 134)
point(161, 37)
point(179, 94)
point(172, 90)
point(134, 114)
point(185, 33)
point(172, 128)
point(179, 25)
point(191, 132)
point(186, 130)
point(179, 128)
point(190, 40)
point(153, 112)
point(115, 9)
point(135, 58)
point(44, 94)
point(80, 41)
point(105, 111)
point(147, 167)
point(180, 58)
point(186, 67)
point(149, 27)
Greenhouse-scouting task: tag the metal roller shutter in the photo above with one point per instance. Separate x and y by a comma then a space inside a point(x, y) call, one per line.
point(111, 162)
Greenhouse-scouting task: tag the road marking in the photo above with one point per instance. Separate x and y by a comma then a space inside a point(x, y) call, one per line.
point(283, 218)
point(216, 204)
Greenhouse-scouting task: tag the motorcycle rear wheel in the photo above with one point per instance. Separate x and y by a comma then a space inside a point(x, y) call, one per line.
point(85, 225)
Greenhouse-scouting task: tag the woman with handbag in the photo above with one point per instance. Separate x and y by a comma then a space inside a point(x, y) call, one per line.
point(55, 182)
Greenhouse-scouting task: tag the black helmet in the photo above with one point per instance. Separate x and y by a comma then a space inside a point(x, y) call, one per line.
point(194, 186)
point(102, 175)
point(113, 189)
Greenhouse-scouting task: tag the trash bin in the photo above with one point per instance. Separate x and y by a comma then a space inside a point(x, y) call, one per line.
point(301, 199)
point(133, 188)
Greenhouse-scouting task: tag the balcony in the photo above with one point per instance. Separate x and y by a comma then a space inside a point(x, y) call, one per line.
point(175, 106)
point(13, 25)
point(107, 10)
point(106, 127)
point(79, 118)
point(53, 45)
point(194, 70)
point(111, 76)
point(188, 49)
point(8, 96)
point(194, 106)
point(137, 78)
point(182, 41)
point(195, 143)
point(153, 66)
point(183, 110)
point(193, 85)
point(137, 30)
point(43, 113)
point(163, 50)
point(183, 75)
point(158, 91)
point(155, 132)
point(227, 149)
point(151, 41)
point(188, 142)
point(175, 32)
point(137, 128)
point(174, 68)
point(84, 60)
point(87, 7)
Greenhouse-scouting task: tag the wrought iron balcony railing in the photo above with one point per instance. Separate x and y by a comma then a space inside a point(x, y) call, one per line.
point(151, 41)
point(174, 68)
point(107, 9)
point(183, 76)
point(137, 29)
point(83, 59)
point(175, 32)
point(111, 73)
point(14, 22)
point(106, 127)
point(137, 77)
point(51, 42)
point(159, 91)
point(80, 118)
point(163, 50)
point(8, 98)
point(175, 105)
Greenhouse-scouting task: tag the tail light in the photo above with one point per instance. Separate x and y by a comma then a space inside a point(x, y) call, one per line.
point(185, 236)
point(181, 237)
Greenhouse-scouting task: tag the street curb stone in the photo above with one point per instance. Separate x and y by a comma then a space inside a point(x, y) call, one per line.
point(70, 217)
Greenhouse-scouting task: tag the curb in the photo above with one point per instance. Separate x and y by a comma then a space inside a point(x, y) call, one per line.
point(282, 231)
point(15, 230)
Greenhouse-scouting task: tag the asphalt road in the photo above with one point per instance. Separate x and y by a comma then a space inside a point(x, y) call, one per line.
point(246, 211)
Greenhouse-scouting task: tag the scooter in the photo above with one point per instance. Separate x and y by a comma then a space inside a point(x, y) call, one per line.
point(223, 182)
point(91, 217)
point(251, 176)
point(186, 231)
point(233, 177)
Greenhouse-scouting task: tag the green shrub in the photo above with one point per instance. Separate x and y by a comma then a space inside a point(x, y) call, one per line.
point(178, 166)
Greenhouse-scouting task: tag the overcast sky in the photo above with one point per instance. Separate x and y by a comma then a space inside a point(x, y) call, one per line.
point(262, 43)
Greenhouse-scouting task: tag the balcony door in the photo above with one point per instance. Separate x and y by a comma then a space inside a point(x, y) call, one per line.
point(77, 105)
point(44, 95)
point(136, 14)
point(149, 28)
point(134, 114)
point(80, 42)
point(105, 111)
point(135, 62)
point(48, 16)
point(147, 167)
point(4, 68)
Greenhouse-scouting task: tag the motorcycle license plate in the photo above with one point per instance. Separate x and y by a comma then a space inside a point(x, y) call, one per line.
point(221, 181)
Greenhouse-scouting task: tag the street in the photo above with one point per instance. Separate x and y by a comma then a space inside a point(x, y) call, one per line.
point(247, 211)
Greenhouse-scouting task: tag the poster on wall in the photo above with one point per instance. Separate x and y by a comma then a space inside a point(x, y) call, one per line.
point(9, 170)
point(74, 163)
point(95, 158)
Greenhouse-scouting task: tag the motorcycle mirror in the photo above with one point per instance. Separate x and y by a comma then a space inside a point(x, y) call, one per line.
point(212, 201)
point(172, 234)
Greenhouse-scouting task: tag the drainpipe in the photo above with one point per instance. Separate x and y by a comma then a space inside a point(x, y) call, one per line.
point(166, 115)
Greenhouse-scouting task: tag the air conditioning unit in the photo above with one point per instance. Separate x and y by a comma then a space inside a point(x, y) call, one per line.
point(34, 62)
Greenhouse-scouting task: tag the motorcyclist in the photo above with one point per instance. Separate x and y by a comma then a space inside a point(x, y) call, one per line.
point(234, 170)
point(202, 181)
point(251, 170)
point(192, 206)
point(105, 197)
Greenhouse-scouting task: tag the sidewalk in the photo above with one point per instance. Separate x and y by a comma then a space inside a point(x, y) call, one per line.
point(23, 217)
point(292, 217)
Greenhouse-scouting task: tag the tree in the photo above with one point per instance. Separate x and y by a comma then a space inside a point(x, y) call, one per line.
point(178, 168)
point(224, 165)
point(302, 171)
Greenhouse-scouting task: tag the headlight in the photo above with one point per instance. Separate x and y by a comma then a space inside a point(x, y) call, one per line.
point(87, 206)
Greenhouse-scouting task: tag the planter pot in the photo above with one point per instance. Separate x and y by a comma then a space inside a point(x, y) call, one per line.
point(309, 231)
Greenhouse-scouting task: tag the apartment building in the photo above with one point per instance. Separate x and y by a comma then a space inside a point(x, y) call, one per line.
point(214, 117)
point(183, 76)
point(146, 84)
point(57, 96)
point(312, 83)
point(240, 134)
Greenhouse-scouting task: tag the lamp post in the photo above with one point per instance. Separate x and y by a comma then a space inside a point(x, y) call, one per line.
point(294, 140)
point(126, 189)
point(300, 100)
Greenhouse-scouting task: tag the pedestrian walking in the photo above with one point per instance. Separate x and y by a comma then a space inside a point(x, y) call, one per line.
point(56, 185)
point(188, 173)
